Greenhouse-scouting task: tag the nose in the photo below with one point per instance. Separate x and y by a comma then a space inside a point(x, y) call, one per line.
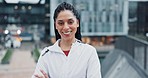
point(66, 26)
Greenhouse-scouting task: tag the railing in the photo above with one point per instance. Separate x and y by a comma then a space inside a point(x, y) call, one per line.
point(119, 64)
point(137, 48)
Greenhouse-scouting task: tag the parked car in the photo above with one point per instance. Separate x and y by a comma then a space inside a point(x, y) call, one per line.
point(25, 36)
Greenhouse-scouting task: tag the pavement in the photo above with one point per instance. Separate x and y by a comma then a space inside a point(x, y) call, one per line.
point(21, 65)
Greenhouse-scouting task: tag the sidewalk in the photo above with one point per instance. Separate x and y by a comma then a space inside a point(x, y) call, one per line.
point(21, 66)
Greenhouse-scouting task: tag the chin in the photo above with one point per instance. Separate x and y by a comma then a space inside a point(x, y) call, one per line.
point(67, 38)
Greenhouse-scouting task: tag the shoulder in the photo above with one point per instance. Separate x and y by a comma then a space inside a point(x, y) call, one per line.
point(88, 46)
point(88, 51)
point(45, 50)
point(48, 49)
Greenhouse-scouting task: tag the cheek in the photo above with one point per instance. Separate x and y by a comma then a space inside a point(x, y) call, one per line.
point(74, 29)
point(75, 26)
point(57, 27)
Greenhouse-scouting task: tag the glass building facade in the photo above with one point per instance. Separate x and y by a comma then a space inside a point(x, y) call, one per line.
point(138, 17)
point(98, 17)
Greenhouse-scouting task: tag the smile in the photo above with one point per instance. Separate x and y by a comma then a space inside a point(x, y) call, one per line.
point(67, 32)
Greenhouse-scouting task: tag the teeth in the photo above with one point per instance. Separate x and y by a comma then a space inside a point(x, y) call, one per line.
point(67, 32)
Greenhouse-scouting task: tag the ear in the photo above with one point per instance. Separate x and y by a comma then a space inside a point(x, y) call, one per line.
point(78, 23)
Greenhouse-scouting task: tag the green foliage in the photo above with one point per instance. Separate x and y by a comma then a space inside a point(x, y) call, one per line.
point(36, 54)
point(7, 57)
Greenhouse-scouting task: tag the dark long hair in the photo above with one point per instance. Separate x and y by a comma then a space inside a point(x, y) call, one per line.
point(66, 6)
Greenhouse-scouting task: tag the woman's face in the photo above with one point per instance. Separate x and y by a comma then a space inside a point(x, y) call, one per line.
point(66, 24)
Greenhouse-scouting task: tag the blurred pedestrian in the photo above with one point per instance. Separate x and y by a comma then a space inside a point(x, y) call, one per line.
point(68, 57)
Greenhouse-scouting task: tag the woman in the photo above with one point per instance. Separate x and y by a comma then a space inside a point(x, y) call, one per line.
point(68, 57)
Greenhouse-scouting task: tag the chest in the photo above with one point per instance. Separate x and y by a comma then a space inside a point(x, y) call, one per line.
point(71, 66)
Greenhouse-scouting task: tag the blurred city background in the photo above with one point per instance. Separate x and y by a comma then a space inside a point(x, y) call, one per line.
point(118, 29)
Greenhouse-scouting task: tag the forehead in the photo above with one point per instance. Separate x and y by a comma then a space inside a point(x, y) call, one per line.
point(66, 14)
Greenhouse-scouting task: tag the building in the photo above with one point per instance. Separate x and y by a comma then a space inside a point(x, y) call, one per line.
point(26, 14)
point(99, 17)
point(138, 17)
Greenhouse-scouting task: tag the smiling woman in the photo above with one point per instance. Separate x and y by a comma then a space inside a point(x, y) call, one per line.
point(68, 57)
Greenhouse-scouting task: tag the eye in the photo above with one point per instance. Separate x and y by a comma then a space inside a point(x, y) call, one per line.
point(60, 23)
point(70, 22)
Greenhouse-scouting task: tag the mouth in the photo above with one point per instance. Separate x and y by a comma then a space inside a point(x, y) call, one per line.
point(66, 33)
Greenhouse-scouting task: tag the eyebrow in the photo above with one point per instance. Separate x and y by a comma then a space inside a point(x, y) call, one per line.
point(60, 20)
point(68, 19)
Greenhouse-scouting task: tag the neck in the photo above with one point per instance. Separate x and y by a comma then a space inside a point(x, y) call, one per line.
point(66, 44)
